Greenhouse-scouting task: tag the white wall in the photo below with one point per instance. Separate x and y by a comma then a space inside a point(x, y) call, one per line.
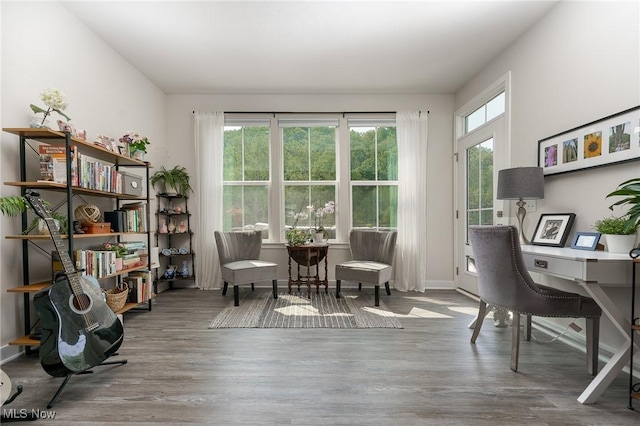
point(45, 46)
point(439, 257)
point(578, 64)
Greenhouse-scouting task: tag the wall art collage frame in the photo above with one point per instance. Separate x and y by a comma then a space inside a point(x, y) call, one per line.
point(610, 140)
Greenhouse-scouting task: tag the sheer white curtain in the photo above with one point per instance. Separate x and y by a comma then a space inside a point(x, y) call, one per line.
point(209, 138)
point(411, 269)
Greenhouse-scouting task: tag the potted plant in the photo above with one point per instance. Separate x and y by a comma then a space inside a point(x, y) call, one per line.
point(175, 181)
point(137, 144)
point(16, 205)
point(619, 236)
point(629, 189)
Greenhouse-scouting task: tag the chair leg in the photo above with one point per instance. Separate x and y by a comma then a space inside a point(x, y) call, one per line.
point(482, 312)
point(377, 292)
point(515, 341)
point(528, 328)
point(236, 295)
point(275, 289)
point(359, 286)
point(224, 288)
point(593, 345)
point(253, 287)
point(337, 289)
point(386, 286)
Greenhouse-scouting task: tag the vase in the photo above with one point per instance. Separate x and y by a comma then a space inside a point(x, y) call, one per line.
point(620, 243)
point(118, 264)
point(37, 123)
point(163, 227)
point(137, 154)
point(185, 268)
point(171, 227)
point(318, 237)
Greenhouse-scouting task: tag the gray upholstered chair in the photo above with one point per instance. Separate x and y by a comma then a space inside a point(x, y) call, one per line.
point(503, 281)
point(372, 253)
point(239, 263)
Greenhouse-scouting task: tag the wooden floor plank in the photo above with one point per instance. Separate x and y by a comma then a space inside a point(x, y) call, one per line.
point(181, 372)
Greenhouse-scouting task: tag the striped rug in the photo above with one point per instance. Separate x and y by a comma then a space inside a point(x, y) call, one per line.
point(258, 309)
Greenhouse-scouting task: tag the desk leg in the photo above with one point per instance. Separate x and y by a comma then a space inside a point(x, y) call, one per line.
point(604, 378)
point(617, 362)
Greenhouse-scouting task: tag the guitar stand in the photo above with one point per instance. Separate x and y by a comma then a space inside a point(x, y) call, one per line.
point(68, 377)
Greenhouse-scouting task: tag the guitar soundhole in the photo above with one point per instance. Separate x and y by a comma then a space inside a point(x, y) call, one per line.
point(81, 302)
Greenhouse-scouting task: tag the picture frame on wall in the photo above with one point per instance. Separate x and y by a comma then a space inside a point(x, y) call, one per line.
point(610, 140)
point(585, 240)
point(553, 229)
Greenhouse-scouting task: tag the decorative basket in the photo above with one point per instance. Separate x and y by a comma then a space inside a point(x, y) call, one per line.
point(116, 297)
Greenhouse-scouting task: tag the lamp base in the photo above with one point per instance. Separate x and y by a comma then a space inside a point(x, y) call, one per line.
point(522, 212)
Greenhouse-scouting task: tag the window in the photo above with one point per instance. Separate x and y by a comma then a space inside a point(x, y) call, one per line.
point(309, 168)
point(374, 177)
point(485, 113)
point(246, 178)
point(312, 161)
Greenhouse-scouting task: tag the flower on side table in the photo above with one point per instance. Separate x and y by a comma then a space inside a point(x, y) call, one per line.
point(329, 208)
point(55, 101)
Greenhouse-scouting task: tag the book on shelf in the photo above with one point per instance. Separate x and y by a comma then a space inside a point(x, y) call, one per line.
point(136, 216)
point(53, 164)
point(139, 283)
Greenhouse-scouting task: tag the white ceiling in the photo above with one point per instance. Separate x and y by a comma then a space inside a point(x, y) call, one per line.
point(314, 47)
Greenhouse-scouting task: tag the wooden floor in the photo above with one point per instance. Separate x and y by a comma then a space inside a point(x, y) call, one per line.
point(181, 372)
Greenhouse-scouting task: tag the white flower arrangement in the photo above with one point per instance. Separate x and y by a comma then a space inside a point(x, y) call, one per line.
point(55, 101)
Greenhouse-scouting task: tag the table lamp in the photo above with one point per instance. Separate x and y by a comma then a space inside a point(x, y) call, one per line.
point(519, 183)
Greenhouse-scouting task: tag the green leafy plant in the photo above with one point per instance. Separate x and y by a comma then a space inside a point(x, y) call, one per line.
point(16, 205)
point(177, 178)
point(296, 237)
point(629, 189)
point(135, 141)
point(614, 226)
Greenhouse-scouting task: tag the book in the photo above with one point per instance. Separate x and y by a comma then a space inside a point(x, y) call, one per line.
point(53, 164)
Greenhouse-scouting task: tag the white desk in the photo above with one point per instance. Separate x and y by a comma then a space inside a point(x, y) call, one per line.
point(591, 270)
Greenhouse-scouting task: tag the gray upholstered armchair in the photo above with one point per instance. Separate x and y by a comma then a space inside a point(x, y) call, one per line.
point(372, 253)
point(239, 253)
point(504, 281)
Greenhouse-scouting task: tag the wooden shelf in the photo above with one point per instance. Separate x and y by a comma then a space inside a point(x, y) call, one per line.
point(635, 395)
point(31, 288)
point(635, 327)
point(129, 306)
point(55, 186)
point(56, 138)
point(75, 236)
point(25, 341)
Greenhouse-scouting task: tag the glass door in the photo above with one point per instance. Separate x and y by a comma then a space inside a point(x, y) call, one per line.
point(477, 169)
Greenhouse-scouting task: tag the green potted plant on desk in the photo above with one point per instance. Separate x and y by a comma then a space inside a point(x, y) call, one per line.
point(175, 181)
point(628, 224)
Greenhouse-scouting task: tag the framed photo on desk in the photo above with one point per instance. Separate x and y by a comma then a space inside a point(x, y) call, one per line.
point(553, 229)
point(585, 240)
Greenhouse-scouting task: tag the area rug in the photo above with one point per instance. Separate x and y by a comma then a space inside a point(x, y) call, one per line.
point(258, 309)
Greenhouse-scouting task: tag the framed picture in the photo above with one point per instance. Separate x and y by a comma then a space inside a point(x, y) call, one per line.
point(585, 240)
point(610, 140)
point(553, 229)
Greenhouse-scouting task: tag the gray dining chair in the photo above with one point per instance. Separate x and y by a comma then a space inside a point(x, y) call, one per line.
point(503, 281)
point(372, 255)
point(238, 252)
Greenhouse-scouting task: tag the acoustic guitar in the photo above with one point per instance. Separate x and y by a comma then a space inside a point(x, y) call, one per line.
point(78, 330)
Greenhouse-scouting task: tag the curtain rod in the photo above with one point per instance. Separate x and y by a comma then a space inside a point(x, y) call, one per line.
point(309, 112)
